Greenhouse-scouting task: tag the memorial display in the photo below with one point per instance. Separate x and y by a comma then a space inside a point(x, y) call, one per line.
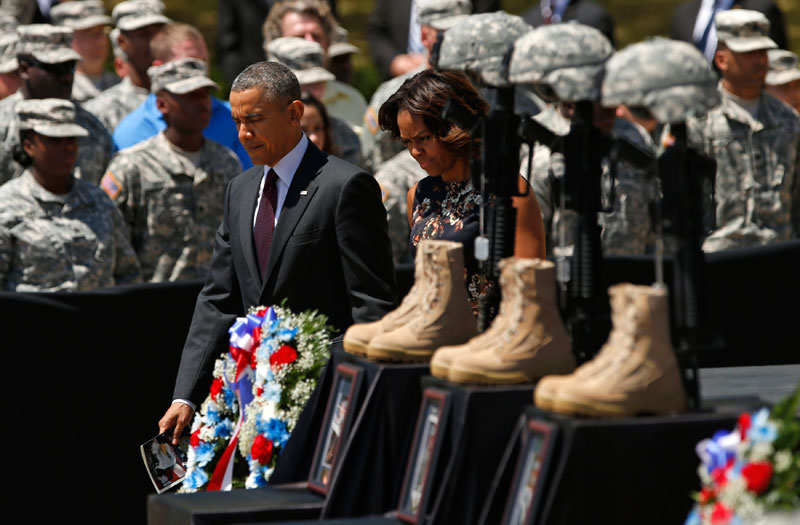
point(260, 387)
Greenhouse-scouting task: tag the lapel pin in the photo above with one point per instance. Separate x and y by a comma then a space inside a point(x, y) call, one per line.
point(304, 192)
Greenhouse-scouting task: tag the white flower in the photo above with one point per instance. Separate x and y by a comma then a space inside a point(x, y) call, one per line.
point(783, 460)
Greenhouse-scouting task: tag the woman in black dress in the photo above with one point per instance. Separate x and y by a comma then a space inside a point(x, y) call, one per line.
point(445, 205)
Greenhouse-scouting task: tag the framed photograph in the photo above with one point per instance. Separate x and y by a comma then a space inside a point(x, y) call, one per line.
point(527, 486)
point(339, 414)
point(165, 462)
point(428, 437)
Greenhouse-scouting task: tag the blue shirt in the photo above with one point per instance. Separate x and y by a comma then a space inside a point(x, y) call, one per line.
point(146, 121)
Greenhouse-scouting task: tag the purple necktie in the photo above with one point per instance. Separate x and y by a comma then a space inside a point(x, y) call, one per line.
point(265, 221)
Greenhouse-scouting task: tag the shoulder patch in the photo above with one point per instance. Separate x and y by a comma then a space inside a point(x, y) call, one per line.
point(110, 185)
point(384, 192)
point(371, 120)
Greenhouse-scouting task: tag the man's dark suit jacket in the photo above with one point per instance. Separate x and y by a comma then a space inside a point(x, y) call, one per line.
point(686, 14)
point(387, 30)
point(583, 11)
point(330, 252)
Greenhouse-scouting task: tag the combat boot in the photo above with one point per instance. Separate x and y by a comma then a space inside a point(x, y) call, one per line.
point(443, 315)
point(641, 374)
point(533, 341)
point(443, 357)
point(547, 388)
point(358, 336)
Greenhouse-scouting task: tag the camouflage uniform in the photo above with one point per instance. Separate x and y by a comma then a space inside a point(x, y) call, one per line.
point(71, 242)
point(756, 191)
point(113, 104)
point(171, 207)
point(396, 177)
point(756, 194)
point(94, 150)
point(84, 88)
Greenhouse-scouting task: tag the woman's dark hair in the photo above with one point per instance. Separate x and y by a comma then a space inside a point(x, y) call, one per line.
point(425, 94)
point(310, 100)
point(18, 152)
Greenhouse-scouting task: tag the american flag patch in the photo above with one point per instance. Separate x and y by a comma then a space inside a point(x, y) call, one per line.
point(371, 120)
point(384, 193)
point(110, 185)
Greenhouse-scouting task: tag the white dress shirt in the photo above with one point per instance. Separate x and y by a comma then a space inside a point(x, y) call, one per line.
point(285, 169)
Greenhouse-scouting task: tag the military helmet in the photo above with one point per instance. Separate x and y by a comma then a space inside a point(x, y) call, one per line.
point(671, 79)
point(566, 59)
point(478, 45)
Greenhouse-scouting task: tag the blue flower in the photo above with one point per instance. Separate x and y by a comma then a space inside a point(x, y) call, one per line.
point(230, 396)
point(286, 335)
point(223, 429)
point(693, 518)
point(204, 452)
point(761, 430)
point(212, 416)
point(195, 479)
point(276, 432)
point(272, 392)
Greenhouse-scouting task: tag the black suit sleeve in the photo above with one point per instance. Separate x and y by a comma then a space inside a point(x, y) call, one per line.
point(366, 253)
point(218, 305)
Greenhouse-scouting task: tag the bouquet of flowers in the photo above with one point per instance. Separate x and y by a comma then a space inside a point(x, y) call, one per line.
point(260, 387)
point(752, 470)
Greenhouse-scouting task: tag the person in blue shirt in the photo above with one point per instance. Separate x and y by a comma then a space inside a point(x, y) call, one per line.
point(173, 42)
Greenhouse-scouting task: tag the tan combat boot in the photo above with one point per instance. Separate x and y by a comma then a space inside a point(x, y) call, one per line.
point(358, 336)
point(443, 357)
point(547, 388)
point(443, 315)
point(641, 375)
point(533, 342)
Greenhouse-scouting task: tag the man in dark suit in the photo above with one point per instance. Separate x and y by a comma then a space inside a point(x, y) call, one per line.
point(583, 11)
point(686, 15)
point(300, 225)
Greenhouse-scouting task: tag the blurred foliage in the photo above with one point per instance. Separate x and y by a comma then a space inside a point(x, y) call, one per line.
point(635, 20)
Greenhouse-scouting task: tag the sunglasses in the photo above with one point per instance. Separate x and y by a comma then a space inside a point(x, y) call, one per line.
point(61, 68)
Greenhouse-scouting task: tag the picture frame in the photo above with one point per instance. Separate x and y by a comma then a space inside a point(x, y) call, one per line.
point(424, 454)
point(537, 442)
point(336, 423)
point(165, 462)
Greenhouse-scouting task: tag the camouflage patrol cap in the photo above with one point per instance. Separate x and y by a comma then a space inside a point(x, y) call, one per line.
point(51, 117)
point(47, 43)
point(8, 52)
point(478, 45)
point(80, 15)
point(341, 45)
point(7, 23)
point(303, 57)
point(135, 14)
point(672, 79)
point(568, 59)
point(180, 76)
point(782, 67)
point(442, 14)
point(743, 30)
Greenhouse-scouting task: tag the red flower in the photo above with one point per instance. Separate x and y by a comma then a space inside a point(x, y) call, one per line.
point(194, 440)
point(721, 515)
point(706, 496)
point(261, 449)
point(216, 388)
point(744, 425)
point(283, 356)
point(259, 391)
point(758, 475)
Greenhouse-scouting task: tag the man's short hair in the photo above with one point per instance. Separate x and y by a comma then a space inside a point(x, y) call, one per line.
point(317, 8)
point(275, 81)
point(170, 34)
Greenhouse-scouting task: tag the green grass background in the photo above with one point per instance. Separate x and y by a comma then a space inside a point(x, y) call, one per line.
point(635, 20)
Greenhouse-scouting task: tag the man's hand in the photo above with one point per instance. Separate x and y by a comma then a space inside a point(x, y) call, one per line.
point(177, 416)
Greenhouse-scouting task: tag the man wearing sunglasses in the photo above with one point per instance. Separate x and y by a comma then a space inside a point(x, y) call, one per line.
point(47, 68)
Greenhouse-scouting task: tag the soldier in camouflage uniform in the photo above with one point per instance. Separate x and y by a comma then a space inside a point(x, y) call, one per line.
point(396, 177)
point(754, 138)
point(305, 59)
point(137, 21)
point(783, 78)
point(57, 232)
point(434, 17)
point(171, 187)
point(47, 63)
point(89, 21)
point(9, 68)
